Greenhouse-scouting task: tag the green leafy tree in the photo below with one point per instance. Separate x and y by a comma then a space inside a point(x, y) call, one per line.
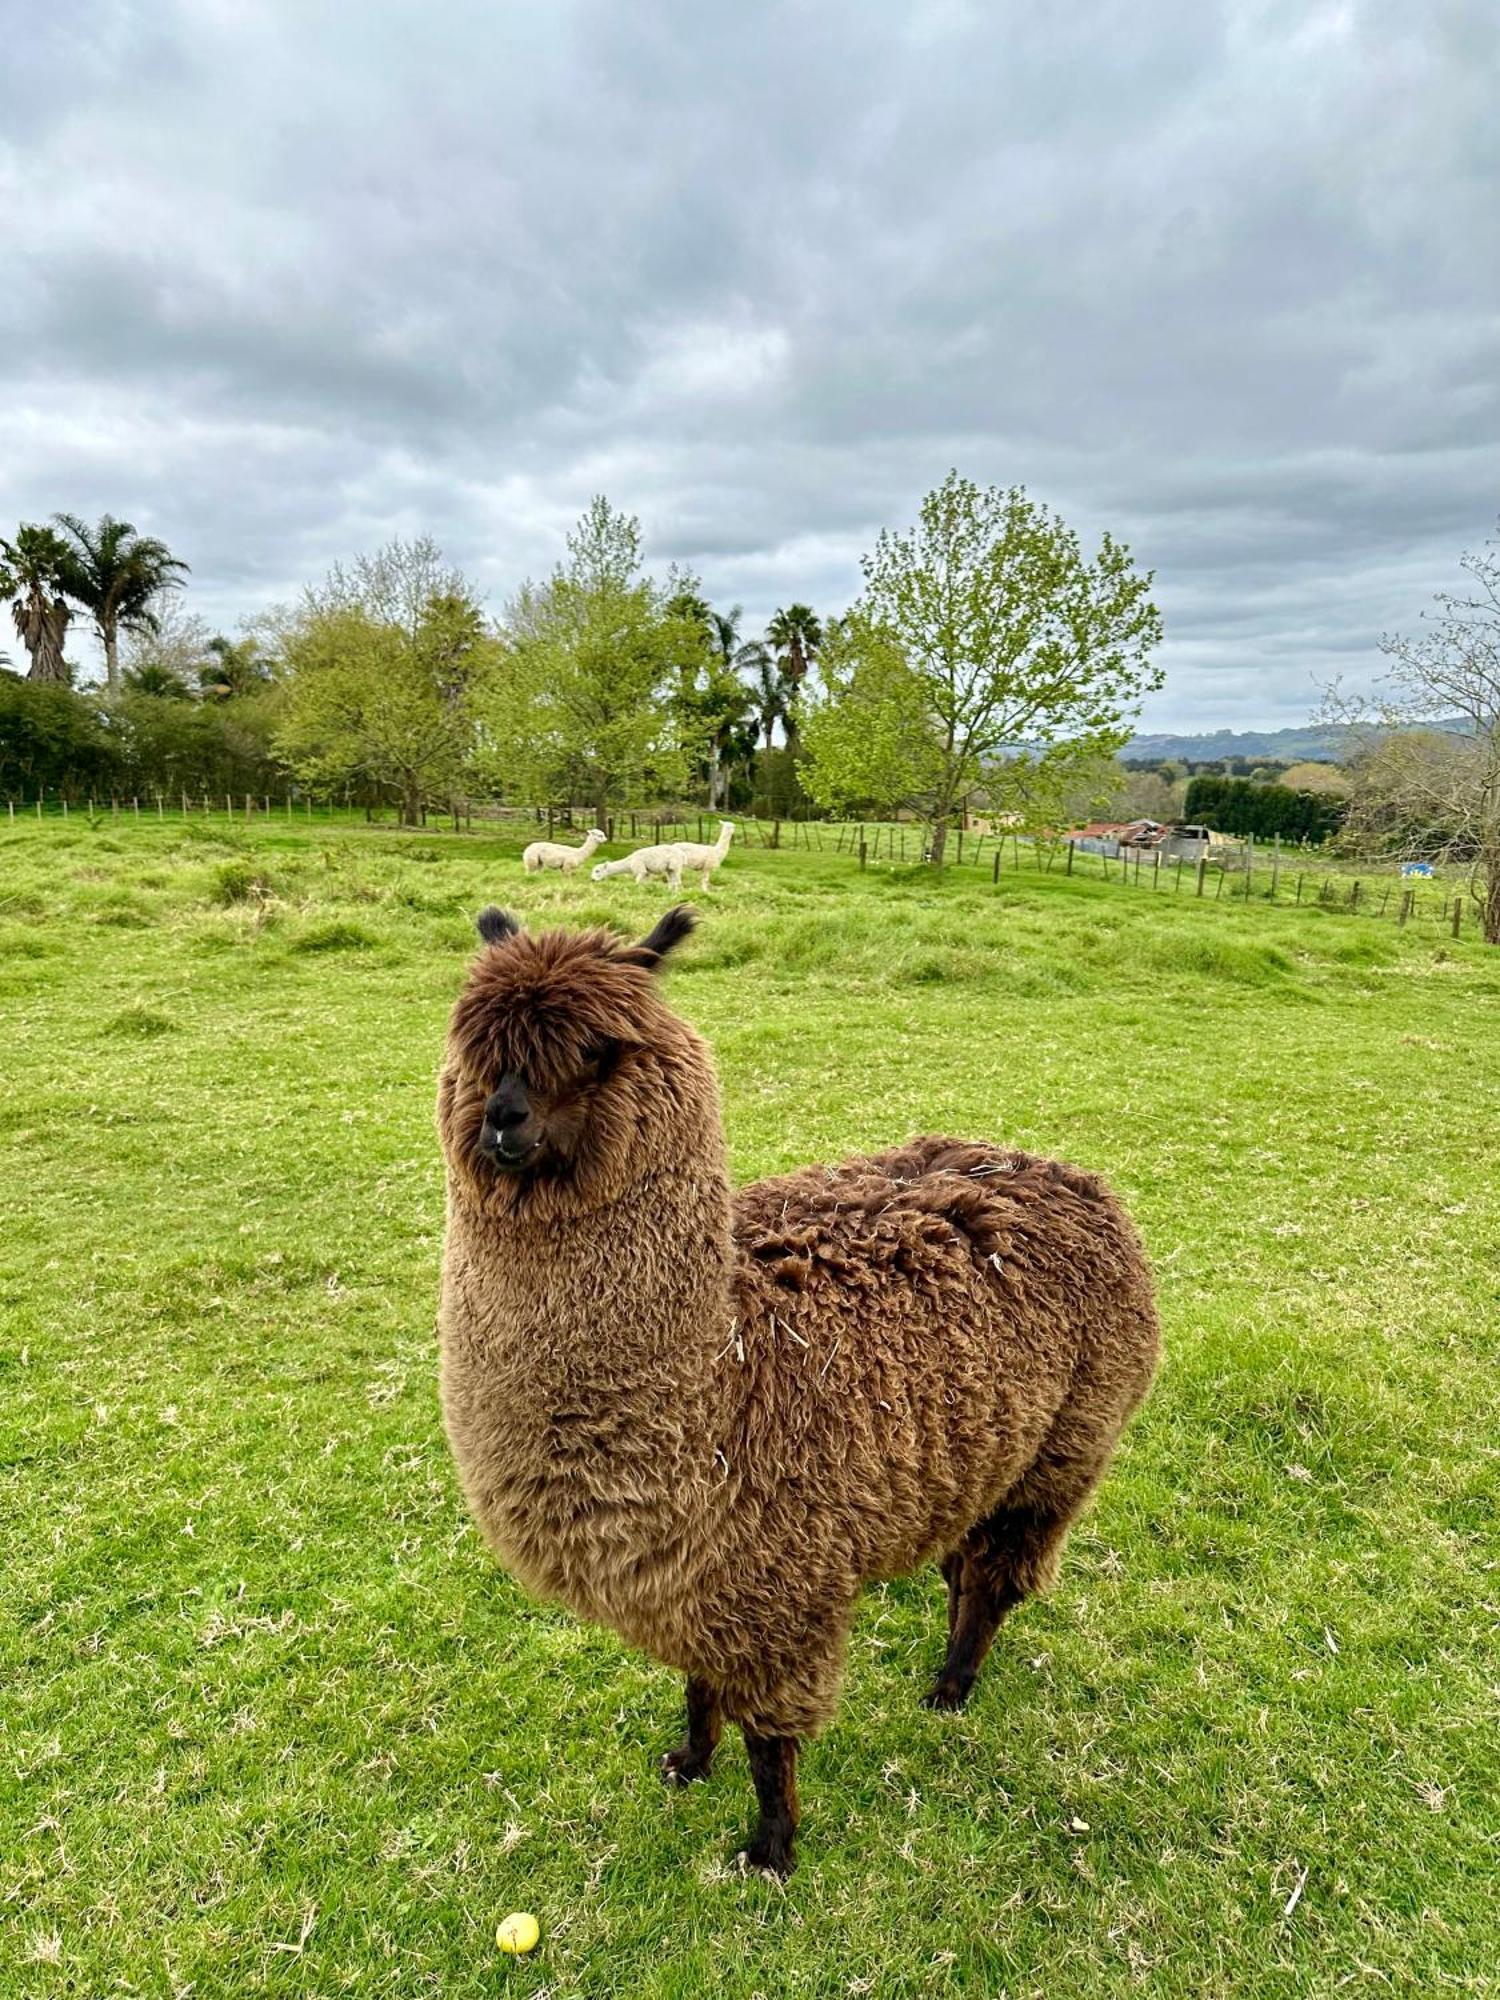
point(986, 655)
point(795, 636)
point(119, 577)
point(34, 567)
point(51, 739)
point(382, 668)
point(583, 702)
point(1247, 807)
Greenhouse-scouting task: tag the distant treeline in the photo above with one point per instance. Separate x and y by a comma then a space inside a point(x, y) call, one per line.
point(1235, 805)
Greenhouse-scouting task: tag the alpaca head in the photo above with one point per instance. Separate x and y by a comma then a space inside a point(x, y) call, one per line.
point(567, 1078)
point(594, 838)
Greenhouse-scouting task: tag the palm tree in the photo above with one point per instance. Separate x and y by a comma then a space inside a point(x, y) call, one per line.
point(116, 575)
point(795, 635)
point(155, 677)
point(33, 571)
point(233, 667)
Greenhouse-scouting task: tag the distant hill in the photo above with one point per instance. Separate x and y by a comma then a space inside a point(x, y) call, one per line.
point(1310, 744)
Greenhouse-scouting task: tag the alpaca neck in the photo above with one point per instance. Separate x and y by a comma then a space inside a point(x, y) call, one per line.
point(640, 1283)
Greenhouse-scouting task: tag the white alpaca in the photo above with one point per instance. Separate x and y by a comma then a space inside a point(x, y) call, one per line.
point(547, 853)
point(646, 861)
point(697, 859)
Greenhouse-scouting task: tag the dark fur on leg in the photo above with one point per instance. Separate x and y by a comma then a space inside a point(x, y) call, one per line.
point(773, 1766)
point(1000, 1562)
point(694, 1756)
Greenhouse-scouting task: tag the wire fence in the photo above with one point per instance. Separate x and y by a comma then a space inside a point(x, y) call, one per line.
point(1298, 878)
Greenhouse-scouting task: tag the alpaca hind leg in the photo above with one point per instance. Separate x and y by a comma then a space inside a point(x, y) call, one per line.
point(773, 1767)
point(999, 1563)
point(694, 1756)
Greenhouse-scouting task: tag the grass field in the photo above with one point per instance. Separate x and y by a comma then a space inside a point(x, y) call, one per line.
point(274, 1723)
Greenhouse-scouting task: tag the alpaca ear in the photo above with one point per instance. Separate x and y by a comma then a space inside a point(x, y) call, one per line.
point(668, 934)
point(496, 925)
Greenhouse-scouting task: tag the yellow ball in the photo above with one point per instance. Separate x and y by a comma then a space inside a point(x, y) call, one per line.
point(518, 1932)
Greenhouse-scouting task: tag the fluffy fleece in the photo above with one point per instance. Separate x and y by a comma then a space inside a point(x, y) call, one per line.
point(645, 862)
point(696, 857)
point(550, 854)
point(708, 1419)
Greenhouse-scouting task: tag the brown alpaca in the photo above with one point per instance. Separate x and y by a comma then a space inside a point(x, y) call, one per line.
point(710, 1419)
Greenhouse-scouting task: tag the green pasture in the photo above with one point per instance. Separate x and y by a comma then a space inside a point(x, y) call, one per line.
point(272, 1722)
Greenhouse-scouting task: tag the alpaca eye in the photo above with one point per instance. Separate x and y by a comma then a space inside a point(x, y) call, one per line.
point(601, 1056)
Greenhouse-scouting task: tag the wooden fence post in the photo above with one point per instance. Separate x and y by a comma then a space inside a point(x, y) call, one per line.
point(1202, 871)
point(863, 852)
point(995, 869)
point(1458, 911)
point(1069, 869)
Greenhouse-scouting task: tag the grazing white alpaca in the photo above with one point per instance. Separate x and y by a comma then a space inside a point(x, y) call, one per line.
point(646, 861)
point(547, 853)
point(694, 858)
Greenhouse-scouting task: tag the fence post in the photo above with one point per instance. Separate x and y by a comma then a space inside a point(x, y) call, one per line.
point(1249, 863)
point(862, 851)
point(1069, 869)
point(1220, 890)
point(1299, 888)
point(1202, 871)
point(1275, 866)
point(1406, 902)
point(995, 870)
point(1354, 895)
point(1458, 911)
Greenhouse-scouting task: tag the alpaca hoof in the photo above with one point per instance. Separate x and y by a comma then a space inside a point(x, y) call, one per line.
point(682, 1765)
point(945, 1696)
point(774, 1859)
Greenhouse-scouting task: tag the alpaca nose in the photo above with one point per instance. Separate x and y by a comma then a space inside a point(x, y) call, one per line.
point(509, 1106)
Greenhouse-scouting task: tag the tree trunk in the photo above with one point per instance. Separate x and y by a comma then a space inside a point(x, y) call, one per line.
point(43, 624)
point(411, 803)
point(109, 632)
point(1490, 909)
point(939, 839)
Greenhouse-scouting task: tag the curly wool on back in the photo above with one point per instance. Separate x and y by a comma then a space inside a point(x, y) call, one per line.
point(708, 1419)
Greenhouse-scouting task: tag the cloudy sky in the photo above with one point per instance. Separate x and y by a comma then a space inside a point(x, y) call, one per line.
point(282, 278)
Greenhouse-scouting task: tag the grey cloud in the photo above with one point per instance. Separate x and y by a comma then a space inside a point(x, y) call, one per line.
point(285, 279)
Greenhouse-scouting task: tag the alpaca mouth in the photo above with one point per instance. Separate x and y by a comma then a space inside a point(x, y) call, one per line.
point(507, 1153)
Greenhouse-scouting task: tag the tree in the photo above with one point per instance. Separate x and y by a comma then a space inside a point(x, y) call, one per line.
point(1245, 806)
point(582, 704)
point(118, 577)
point(50, 739)
point(233, 668)
point(713, 705)
point(1426, 776)
point(382, 668)
point(33, 572)
point(795, 636)
point(986, 654)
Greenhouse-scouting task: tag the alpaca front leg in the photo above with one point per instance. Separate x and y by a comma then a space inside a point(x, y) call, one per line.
point(695, 1754)
point(773, 1767)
